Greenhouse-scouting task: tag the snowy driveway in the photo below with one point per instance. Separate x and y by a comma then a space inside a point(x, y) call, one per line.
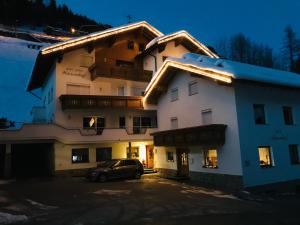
point(74, 201)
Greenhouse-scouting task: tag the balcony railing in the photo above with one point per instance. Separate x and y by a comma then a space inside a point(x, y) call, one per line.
point(99, 102)
point(134, 74)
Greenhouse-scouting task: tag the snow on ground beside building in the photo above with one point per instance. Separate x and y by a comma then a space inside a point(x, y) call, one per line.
point(6, 218)
point(16, 63)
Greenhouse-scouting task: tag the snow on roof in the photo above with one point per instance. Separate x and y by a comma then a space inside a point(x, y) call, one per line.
point(222, 70)
point(181, 34)
point(98, 35)
point(243, 71)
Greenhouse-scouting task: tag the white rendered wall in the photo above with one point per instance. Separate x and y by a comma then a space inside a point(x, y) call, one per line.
point(170, 50)
point(221, 100)
point(275, 133)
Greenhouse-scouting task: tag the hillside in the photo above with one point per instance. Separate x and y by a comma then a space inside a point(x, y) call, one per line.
point(16, 61)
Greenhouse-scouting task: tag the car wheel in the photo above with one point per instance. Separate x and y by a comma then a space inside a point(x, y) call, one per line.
point(102, 178)
point(137, 175)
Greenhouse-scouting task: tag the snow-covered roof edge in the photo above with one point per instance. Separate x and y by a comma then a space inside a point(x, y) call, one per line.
point(181, 34)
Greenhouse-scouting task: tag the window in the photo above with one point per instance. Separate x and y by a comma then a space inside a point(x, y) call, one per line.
point(103, 154)
point(174, 123)
point(210, 158)
point(193, 88)
point(80, 155)
point(130, 45)
point(206, 116)
point(288, 115)
point(141, 47)
point(294, 155)
point(93, 122)
point(170, 156)
point(174, 94)
point(134, 153)
point(122, 122)
point(265, 156)
point(259, 114)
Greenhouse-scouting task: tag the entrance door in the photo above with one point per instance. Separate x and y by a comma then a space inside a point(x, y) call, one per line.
point(182, 162)
point(149, 155)
point(2, 160)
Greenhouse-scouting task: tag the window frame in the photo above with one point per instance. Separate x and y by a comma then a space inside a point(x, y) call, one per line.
point(264, 122)
point(291, 114)
point(86, 153)
point(271, 157)
point(170, 153)
point(174, 90)
point(190, 89)
point(292, 160)
point(205, 163)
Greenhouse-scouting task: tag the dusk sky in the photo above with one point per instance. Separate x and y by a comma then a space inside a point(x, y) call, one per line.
point(261, 20)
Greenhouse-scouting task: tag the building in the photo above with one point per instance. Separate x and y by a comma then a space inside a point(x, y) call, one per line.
point(167, 100)
point(231, 124)
point(92, 106)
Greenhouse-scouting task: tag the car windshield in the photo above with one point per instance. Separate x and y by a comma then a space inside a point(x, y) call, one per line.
point(109, 163)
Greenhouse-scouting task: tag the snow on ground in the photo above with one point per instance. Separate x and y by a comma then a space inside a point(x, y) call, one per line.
point(6, 218)
point(40, 205)
point(112, 192)
point(16, 63)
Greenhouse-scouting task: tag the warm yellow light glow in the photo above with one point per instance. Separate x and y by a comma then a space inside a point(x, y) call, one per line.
point(99, 35)
point(184, 34)
point(208, 72)
point(143, 154)
point(73, 30)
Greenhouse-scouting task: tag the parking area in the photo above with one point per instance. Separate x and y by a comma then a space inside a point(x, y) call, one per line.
point(150, 200)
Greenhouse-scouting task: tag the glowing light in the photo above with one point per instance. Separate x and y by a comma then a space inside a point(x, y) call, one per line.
point(207, 72)
point(99, 35)
point(143, 154)
point(183, 34)
point(73, 30)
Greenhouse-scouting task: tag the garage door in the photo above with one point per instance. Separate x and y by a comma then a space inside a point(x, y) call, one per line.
point(32, 160)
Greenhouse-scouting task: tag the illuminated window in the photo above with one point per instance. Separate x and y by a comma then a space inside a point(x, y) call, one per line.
point(174, 123)
point(80, 155)
point(170, 156)
point(134, 153)
point(93, 122)
point(265, 156)
point(294, 155)
point(193, 88)
point(288, 115)
point(174, 94)
point(210, 158)
point(259, 114)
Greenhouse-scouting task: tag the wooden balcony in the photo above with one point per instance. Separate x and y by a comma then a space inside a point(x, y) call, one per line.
point(99, 102)
point(134, 74)
point(206, 136)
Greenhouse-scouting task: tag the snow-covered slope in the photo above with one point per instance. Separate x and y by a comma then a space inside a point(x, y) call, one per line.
point(16, 63)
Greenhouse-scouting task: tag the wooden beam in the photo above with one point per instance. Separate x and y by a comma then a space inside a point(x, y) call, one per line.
point(161, 47)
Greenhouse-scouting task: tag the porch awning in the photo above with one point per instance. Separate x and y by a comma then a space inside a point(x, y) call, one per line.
point(212, 135)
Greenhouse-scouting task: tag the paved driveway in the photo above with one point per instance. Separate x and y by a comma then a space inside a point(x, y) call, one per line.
point(74, 201)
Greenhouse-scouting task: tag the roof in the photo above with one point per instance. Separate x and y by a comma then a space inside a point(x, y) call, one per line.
point(184, 38)
point(47, 56)
point(219, 69)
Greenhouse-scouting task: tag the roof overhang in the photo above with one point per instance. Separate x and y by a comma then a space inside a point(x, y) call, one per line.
point(183, 38)
point(47, 56)
point(212, 135)
point(162, 77)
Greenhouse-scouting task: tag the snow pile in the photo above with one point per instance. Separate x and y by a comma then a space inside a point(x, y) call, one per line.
point(242, 71)
point(40, 205)
point(6, 218)
point(16, 63)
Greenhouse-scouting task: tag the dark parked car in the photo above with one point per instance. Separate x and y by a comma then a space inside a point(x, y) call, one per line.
point(116, 168)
